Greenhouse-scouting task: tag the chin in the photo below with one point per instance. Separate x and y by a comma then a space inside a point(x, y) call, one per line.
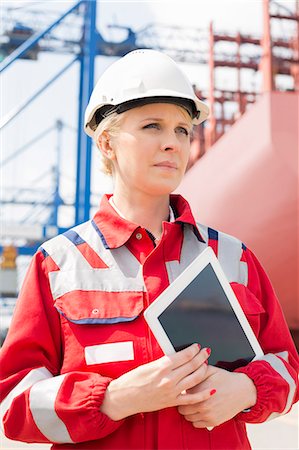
point(163, 188)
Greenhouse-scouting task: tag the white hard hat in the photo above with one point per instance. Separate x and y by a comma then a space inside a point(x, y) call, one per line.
point(141, 77)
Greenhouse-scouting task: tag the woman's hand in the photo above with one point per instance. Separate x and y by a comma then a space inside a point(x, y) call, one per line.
point(158, 384)
point(234, 392)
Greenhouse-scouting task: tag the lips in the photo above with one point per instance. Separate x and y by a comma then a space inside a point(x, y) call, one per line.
point(167, 165)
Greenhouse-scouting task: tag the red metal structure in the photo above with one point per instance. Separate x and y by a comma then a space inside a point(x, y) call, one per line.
point(243, 171)
point(273, 57)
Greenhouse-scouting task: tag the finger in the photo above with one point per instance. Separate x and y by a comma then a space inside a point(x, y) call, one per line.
point(202, 424)
point(192, 380)
point(182, 357)
point(191, 366)
point(186, 410)
point(192, 399)
point(197, 417)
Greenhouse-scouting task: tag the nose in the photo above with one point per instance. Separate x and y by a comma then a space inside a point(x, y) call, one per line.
point(170, 143)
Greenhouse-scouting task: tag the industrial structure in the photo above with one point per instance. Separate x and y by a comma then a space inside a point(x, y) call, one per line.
point(246, 184)
point(223, 150)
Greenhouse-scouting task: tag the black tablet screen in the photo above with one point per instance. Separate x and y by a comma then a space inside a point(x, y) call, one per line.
point(202, 313)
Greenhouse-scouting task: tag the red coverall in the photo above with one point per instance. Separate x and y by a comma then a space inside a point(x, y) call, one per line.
point(78, 324)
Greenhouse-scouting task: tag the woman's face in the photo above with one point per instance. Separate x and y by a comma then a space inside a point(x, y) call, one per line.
point(152, 148)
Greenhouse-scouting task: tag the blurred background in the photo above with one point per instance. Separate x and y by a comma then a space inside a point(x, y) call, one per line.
point(242, 57)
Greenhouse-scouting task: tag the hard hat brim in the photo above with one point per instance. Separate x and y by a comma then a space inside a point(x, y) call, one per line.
point(199, 110)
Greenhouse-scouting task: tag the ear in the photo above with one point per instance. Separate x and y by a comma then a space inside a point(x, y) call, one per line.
point(105, 146)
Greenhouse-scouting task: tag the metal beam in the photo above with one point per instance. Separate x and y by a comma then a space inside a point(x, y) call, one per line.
point(53, 220)
point(83, 181)
point(29, 43)
point(24, 250)
point(26, 146)
point(34, 233)
point(16, 111)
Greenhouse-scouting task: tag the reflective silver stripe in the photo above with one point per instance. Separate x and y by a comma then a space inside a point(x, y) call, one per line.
point(284, 355)
point(87, 232)
point(281, 369)
point(42, 405)
point(203, 231)
point(229, 255)
point(124, 272)
point(92, 280)
point(120, 259)
point(243, 274)
point(111, 352)
point(65, 254)
point(191, 248)
point(32, 377)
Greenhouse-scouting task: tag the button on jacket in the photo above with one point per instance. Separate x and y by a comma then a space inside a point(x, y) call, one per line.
point(79, 323)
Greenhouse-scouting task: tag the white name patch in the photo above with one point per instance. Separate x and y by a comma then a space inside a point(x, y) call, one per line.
point(105, 353)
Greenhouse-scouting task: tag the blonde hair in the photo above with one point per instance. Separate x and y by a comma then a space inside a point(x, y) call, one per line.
point(111, 124)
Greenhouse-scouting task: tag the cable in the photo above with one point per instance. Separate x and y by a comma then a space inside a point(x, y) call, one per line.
point(69, 127)
point(283, 7)
point(15, 8)
point(24, 147)
point(29, 216)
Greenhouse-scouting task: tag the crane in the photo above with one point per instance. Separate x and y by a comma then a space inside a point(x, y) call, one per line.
point(26, 37)
point(27, 33)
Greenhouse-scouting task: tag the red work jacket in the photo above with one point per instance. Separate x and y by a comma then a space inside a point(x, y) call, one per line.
point(79, 323)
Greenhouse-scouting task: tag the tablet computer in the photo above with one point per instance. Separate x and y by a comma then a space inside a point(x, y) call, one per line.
point(200, 306)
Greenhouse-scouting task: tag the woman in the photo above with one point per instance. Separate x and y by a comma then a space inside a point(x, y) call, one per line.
point(80, 367)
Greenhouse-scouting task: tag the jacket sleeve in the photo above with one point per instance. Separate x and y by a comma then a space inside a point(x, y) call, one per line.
point(38, 404)
point(275, 375)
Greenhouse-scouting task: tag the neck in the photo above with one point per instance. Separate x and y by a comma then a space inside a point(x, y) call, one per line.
point(147, 211)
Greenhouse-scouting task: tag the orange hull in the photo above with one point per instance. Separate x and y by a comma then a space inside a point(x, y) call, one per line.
point(247, 185)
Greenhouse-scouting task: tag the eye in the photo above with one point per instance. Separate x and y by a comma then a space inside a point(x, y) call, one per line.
point(183, 130)
point(152, 125)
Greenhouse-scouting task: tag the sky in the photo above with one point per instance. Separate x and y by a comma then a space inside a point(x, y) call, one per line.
point(31, 173)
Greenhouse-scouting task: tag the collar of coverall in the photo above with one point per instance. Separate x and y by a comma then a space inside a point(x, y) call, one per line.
point(115, 230)
point(171, 217)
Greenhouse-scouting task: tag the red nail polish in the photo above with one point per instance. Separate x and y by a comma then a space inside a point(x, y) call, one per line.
point(213, 391)
point(199, 346)
point(208, 350)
